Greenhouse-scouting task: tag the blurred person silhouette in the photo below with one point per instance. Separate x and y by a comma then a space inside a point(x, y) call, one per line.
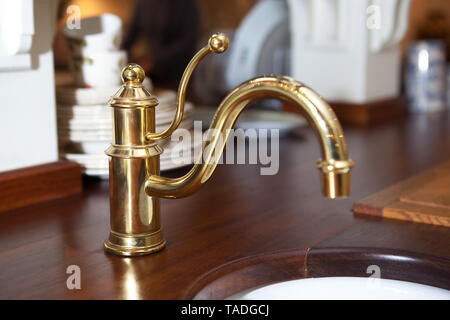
point(170, 30)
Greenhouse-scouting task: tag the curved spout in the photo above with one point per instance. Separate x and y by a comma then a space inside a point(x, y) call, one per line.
point(334, 166)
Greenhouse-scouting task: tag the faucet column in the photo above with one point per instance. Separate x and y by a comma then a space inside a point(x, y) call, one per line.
point(134, 216)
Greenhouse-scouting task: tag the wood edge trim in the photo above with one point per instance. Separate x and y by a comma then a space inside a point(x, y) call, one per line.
point(195, 289)
point(32, 185)
point(347, 254)
point(360, 208)
point(413, 216)
point(37, 169)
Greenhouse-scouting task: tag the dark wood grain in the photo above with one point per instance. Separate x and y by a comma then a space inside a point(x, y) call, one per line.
point(248, 272)
point(273, 267)
point(238, 214)
point(23, 187)
point(392, 264)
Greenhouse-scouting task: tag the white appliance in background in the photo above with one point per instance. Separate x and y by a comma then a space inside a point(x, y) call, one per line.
point(27, 90)
point(347, 50)
point(259, 46)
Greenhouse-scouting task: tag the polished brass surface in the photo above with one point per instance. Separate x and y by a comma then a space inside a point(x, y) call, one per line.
point(134, 216)
point(335, 165)
point(135, 183)
point(218, 43)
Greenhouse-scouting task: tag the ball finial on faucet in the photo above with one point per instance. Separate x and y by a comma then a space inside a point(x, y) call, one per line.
point(218, 43)
point(133, 73)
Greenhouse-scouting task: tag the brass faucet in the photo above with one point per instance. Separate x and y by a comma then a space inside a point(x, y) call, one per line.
point(135, 185)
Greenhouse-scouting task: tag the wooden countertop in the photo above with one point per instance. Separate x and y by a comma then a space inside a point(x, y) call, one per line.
point(239, 213)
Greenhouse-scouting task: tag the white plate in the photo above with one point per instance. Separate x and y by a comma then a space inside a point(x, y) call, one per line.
point(97, 165)
point(99, 156)
point(101, 120)
point(285, 122)
point(98, 68)
point(105, 134)
point(266, 28)
point(104, 173)
point(101, 33)
point(70, 95)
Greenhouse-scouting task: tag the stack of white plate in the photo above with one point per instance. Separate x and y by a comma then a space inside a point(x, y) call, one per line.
point(85, 127)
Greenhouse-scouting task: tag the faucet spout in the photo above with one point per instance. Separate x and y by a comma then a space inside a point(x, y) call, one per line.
point(334, 164)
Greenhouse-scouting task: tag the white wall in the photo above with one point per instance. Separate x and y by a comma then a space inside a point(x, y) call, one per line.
point(28, 134)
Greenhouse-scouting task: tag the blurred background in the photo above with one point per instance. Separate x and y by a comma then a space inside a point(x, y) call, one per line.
point(211, 16)
point(163, 36)
point(218, 15)
point(224, 15)
point(372, 60)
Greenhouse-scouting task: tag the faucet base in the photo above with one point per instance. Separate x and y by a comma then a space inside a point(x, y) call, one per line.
point(134, 245)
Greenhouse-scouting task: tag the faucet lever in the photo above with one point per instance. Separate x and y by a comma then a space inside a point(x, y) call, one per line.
point(217, 43)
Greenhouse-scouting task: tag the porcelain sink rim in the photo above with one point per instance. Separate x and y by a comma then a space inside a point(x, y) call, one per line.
point(282, 265)
point(366, 289)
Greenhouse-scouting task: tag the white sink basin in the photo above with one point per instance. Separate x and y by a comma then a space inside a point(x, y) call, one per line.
point(343, 288)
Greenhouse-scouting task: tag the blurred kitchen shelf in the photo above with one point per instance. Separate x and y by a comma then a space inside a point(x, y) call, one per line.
point(366, 113)
point(370, 112)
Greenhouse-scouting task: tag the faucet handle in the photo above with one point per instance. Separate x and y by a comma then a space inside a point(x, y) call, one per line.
point(132, 93)
point(217, 43)
point(133, 74)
